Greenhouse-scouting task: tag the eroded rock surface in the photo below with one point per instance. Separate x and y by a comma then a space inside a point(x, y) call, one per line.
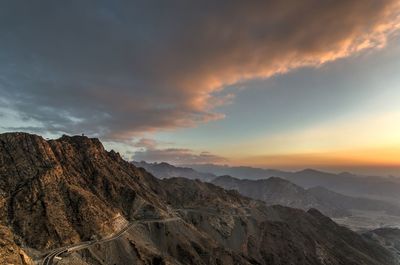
point(59, 192)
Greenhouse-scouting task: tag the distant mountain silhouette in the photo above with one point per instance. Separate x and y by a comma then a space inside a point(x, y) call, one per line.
point(164, 170)
point(279, 191)
point(355, 203)
point(241, 172)
point(345, 183)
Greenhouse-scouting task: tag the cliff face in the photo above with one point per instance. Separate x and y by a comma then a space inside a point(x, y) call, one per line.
point(58, 192)
point(11, 253)
point(63, 191)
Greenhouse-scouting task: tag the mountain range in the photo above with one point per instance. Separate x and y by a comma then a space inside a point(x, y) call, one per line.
point(165, 170)
point(280, 191)
point(72, 202)
point(383, 188)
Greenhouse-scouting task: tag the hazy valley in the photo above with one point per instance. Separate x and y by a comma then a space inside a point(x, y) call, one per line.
point(366, 209)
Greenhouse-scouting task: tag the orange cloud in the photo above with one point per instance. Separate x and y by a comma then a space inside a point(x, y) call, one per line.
point(328, 31)
point(150, 151)
point(131, 70)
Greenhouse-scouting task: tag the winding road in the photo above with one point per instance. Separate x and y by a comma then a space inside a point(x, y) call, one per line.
point(49, 258)
point(186, 210)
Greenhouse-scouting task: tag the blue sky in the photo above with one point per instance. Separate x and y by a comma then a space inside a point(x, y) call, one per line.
point(345, 91)
point(284, 84)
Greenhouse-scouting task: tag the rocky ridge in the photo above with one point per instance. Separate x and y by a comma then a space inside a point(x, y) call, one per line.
point(279, 191)
point(59, 192)
point(276, 190)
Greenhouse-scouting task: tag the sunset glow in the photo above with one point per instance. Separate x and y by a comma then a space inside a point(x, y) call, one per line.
point(263, 84)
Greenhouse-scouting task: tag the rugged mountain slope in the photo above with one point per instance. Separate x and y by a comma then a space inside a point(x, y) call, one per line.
point(63, 191)
point(165, 170)
point(69, 188)
point(388, 238)
point(268, 235)
point(10, 252)
point(279, 191)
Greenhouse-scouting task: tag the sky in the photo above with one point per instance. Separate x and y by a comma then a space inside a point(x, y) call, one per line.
point(274, 84)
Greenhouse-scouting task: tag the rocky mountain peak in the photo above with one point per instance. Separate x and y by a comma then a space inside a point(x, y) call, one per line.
point(57, 182)
point(56, 193)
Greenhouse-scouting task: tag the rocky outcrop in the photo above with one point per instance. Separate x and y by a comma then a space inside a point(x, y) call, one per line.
point(58, 192)
point(10, 252)
point(67, 190)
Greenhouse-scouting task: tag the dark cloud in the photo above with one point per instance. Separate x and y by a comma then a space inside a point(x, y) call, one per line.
point(150, 151)
point(118, 68)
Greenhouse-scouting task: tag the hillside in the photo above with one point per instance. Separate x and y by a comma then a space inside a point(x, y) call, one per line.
point(56, 193)
point(388, 238)
point(279, 191)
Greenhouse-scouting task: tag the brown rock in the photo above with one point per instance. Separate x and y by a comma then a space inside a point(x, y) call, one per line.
point(58, 192)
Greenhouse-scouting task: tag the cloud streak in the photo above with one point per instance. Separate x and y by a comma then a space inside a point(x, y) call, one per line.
point(150, 151)
point(119, 69)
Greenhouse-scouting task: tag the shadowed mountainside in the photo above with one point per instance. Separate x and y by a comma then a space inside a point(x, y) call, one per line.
point(357, 203)
point(164, 170)
point(59, 192)
point(388, 238)
point(345, 183)
point(280, 191)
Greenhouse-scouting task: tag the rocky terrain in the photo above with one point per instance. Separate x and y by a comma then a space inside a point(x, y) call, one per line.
point(55, 193)
point(388, 238)
point(280, 191)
